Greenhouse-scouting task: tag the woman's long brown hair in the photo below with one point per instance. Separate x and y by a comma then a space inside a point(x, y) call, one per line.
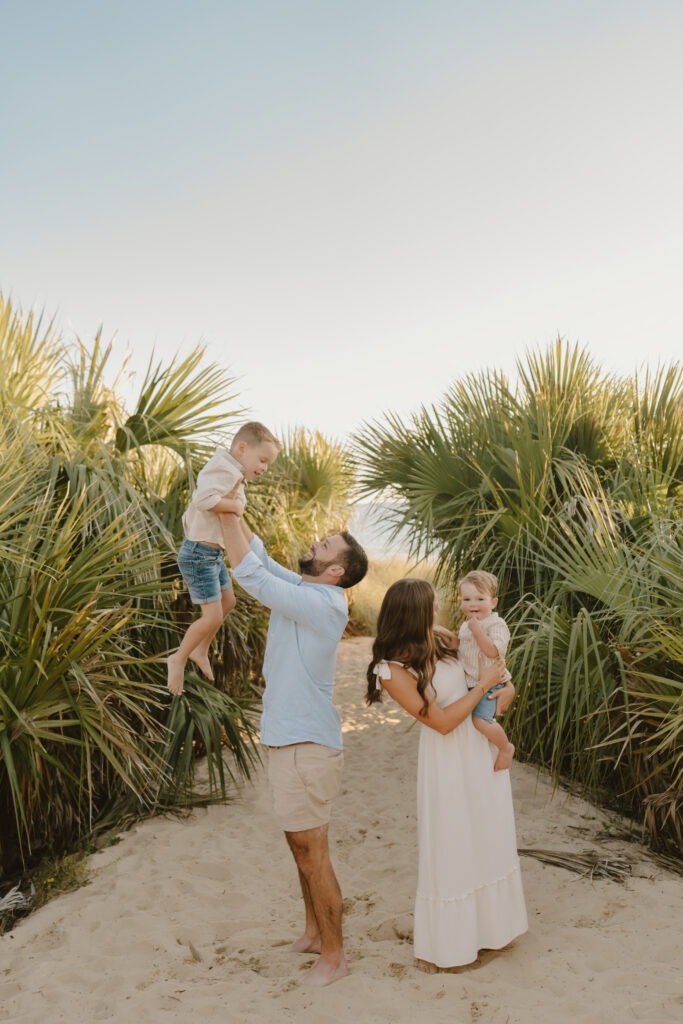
point(405, 633)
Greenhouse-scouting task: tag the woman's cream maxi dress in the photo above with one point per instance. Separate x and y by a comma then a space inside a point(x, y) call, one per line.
point(469, 891)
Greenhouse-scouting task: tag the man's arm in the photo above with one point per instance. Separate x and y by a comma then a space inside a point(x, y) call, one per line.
point(234, 539)
point(256, 545)
point(302, 604)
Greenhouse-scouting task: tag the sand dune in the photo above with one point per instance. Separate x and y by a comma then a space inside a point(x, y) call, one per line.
point(191, 919)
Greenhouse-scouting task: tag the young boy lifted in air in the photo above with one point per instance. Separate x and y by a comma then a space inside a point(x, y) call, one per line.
point(220, 488)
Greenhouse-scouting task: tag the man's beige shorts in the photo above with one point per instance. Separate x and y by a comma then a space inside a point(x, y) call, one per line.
point(304, 779)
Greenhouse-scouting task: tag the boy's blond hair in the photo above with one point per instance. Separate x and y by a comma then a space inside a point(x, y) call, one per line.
point(254, 433)
point(485, 582)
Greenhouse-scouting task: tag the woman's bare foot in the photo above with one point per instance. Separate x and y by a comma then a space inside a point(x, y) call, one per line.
point(504, 759)
point(176, 674)
point(306, 944)
point(426, 967)
point(201, 660)
point(325, 972)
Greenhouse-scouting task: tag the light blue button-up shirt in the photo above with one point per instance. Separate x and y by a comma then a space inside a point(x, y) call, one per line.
point(306, 624)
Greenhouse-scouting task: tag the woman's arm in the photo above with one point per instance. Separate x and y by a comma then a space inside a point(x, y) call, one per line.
point(403, 689)
point(448, 636)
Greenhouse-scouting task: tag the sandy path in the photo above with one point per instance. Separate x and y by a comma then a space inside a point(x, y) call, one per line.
point(118, 949)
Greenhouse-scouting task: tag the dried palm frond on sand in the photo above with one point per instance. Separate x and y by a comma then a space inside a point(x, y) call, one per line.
point(588, 863)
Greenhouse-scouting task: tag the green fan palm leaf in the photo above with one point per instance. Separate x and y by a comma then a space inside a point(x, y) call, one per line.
point(566, 485)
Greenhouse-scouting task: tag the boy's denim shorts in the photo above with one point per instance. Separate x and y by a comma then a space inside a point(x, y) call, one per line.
point(486, 708)
point(204, 571)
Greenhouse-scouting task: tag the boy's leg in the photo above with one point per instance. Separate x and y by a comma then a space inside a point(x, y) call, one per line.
point(200, 655)
point(496, 735)
point(206, 626)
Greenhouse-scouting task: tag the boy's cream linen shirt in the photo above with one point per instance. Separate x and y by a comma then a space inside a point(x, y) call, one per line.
point(215, 481)
point(497, 631)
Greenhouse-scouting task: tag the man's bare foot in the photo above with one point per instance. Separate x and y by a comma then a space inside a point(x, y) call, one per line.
point(201, 660)
point(176, 674)
point(306, 944)
point(325, 972)
point(504, 759)
point(426, 967)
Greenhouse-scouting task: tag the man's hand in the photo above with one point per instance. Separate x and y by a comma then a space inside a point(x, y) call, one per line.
point(233, 502)
point(231, 506)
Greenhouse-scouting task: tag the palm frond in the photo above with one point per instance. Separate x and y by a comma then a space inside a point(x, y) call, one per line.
point(178, 404)
point(568, 487)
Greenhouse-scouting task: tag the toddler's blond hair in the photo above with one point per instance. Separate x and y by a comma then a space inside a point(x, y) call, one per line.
point(485, 582)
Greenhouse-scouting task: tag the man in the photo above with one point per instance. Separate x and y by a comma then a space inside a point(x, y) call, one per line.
point(300, 725)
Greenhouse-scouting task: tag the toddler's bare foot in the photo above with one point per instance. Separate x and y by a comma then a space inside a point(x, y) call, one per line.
point(504, 759)
point(325, 972)
point(201, 660)
point(426, 967)
point(306, 944)
point(176, 674)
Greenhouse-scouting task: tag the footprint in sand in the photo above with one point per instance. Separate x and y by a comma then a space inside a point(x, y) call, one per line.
point(400, 928)
point(253, 963)
point(397, 970)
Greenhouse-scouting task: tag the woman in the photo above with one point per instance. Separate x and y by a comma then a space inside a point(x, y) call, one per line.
point(469, 892)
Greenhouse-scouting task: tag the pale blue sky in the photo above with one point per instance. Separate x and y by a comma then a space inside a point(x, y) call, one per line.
point(351, 203)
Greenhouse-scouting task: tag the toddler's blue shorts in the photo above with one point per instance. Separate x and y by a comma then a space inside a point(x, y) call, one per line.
point(486, 708)
point(204, 571)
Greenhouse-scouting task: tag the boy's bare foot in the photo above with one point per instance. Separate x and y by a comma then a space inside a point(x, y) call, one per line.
point(325, 972)
point(306, 944)
point(201, 660)
point(504, 759)
point(176, 674)
point(426, 967)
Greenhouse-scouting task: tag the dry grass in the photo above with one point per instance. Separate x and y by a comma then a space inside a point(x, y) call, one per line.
point(367, 596)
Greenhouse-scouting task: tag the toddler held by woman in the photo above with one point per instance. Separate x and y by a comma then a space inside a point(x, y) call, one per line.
point(484, 633)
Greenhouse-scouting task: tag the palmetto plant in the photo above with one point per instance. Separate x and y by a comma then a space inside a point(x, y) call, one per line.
point(306, 493)
point(91, 500)
point(87, 589)
point(567, 485)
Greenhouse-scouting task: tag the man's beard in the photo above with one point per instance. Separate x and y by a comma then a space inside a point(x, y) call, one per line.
point(313, 566)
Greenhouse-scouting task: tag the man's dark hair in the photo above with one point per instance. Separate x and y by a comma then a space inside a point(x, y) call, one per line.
point(354, 560)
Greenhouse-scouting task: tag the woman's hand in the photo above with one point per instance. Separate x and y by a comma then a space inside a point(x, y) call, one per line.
point(503, 699)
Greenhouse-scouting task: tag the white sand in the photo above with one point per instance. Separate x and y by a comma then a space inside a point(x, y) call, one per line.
point(223, 880)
